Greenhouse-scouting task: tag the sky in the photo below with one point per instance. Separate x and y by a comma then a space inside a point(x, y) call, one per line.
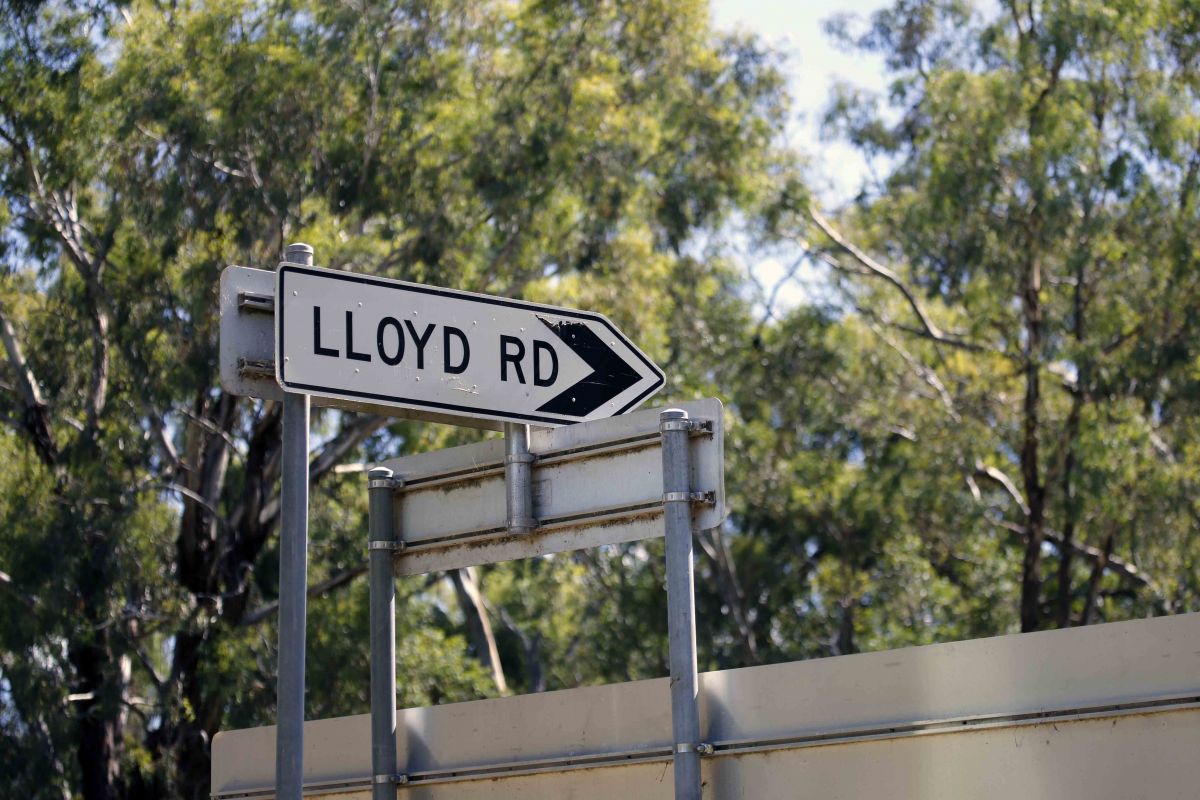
point(813, 64)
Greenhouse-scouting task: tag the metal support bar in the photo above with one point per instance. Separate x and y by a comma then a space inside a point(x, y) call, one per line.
point(518, 478)
point(681, 602)
point(293, 585)
point(707, 498)
point(260, 303)
point(256, 368)
point(382, 543)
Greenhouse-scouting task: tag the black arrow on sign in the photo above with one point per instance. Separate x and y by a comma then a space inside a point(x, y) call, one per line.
point(609, 377)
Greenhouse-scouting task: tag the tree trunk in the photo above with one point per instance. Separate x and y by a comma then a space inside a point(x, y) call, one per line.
point(99, 723)
point(1070, 500)
point(97, 688)
point(845, 638)
point(201, 546)
point(1035, 521)
point(479, 626)
point(1066, 550)
point(1094, 581)
point(716, 548)
point(531, 649)
point(194, 731)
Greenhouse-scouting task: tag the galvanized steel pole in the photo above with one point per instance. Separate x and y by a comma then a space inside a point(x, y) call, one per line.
point(681, 603)
point(518, 478)
point(293, 583)
point(381, 493)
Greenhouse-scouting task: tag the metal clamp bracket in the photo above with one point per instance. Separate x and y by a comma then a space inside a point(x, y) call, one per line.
point(520, 458)
point(707, 498)
point(703, 748)
point(256, 302)
point(378, 544)
point(400, 778)
point(256, 368)
point(689, 425)
point(385, 483)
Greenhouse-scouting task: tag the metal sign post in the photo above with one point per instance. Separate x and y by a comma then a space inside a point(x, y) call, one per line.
point(408, 350)
point(659, 473)
point(293, 584)
point(518, 478)
point(681, 600)
point(381, 488)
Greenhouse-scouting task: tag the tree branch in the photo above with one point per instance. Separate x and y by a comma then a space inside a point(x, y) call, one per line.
point(27, 600)
point(930, 329)
point(1006, 482)
point(531, 649)
point(199, 500)
point(1092, 554)
point(35, 413)
point(479, 626)
point(1093, 588)
point(927, 374)
point(716, 549)
point(62, 214)
point(158, 429)
point(350, 436)
point(317, 590)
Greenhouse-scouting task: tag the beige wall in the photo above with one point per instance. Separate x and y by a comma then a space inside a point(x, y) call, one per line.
point(1027, 716)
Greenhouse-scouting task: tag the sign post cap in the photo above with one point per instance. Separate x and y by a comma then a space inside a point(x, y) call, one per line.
point(299, 253)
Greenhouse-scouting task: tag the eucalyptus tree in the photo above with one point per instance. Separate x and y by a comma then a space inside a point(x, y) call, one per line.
point(1029, 252)
point(558, 151)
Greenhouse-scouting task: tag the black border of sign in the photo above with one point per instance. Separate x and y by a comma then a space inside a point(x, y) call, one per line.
point(353, 277)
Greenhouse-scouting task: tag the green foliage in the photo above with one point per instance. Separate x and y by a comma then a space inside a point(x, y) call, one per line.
point(564, 152)
point(1042, 207)
point(987, 428)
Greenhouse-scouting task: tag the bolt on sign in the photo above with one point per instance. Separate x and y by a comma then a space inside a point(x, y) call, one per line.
point(364, 339)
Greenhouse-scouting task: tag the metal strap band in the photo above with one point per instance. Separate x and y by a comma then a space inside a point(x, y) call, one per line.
point(692, 425)
point(689, 497)
point(703, 748)
point(377, 544)
point(383, 779)
point(520, 458)
point(384, 483)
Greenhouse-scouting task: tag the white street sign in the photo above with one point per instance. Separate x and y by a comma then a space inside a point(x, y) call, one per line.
point(372, 340)
point(591, 484)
